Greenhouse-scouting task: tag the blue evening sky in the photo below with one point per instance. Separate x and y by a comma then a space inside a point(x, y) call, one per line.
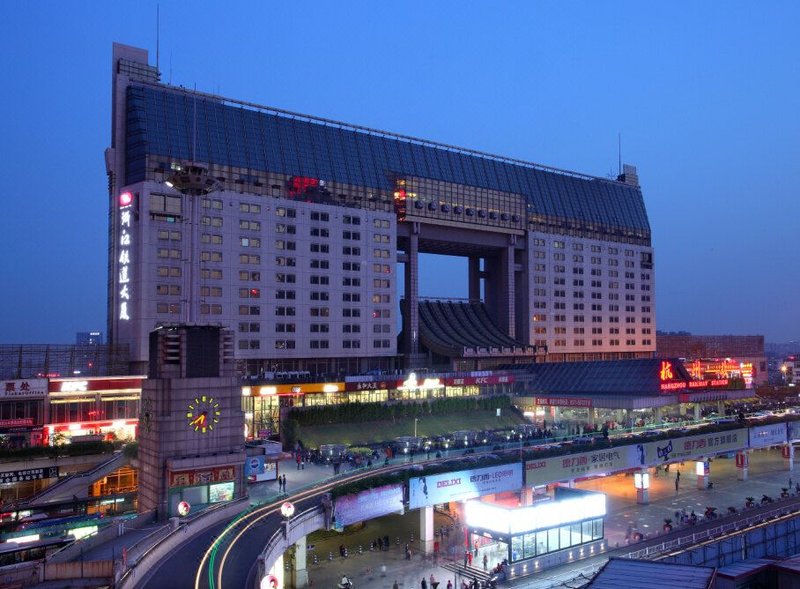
point(704, 94)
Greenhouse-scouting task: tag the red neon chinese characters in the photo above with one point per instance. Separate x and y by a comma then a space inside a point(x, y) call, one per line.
point(666, 371)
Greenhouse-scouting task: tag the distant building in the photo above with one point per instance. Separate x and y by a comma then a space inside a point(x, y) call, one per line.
point(717, 353)
point(89, 338)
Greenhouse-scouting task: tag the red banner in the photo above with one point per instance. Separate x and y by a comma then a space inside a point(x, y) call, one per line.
point(460, 381)
point(82, 385)
point(564, 401)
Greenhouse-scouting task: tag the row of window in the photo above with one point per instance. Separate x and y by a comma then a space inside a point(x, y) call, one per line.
point(314, 344)
point(560, 343)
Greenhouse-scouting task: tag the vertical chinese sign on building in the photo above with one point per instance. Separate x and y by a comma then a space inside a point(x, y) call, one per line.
point(125, 244)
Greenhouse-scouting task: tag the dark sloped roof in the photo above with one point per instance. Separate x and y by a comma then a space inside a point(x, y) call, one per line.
point(165, 121)
point(645, 574)
point(612, 376)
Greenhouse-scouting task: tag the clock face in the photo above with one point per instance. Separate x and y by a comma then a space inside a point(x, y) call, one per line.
point(203, 414)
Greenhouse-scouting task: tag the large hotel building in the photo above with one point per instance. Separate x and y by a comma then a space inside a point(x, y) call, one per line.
point(293, 231)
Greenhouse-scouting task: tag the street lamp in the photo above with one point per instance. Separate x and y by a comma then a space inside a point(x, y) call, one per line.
point(415, 426)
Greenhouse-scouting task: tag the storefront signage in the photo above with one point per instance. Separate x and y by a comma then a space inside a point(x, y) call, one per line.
point(19, 422)
point(74, 386)
point(478, 380)
point(412, 383)
point(21, 389)
point(368, 504)
point(708, 384)
point(763, 436)
point(564, 401)
point(463, 484)
point(29, 474)
point(681, 448)
point(562, 468)
point(370, 385)
point(71, 385)
point(188, 478)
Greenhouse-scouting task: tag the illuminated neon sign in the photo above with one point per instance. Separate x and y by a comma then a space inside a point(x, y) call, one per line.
point(125, 243)
point(666, 371)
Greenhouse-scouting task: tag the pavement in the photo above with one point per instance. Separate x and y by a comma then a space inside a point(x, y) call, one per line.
point(365, 567)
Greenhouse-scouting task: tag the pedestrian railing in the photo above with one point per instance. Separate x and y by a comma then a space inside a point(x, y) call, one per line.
point(736, 523)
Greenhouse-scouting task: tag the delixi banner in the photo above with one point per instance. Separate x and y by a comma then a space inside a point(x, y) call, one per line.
point(463, 484)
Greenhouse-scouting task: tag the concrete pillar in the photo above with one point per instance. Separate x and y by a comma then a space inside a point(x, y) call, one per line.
point(426, 537)
point(657, 415)
point(742, 465)
point(721, 408)
point(300, 570)
point(788, 456)
point(526, 496)
point(412, 293)
point(571, 483)
point(697, 411)
point(474, 279)
point(628, 418)
point(641, 482)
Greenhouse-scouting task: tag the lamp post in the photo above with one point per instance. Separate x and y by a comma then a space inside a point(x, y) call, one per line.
point(415, 427)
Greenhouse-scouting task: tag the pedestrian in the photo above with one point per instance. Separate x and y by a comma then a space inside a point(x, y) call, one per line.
point(297, 459)
point(449, 584)
point(678, 476)
point(466, 554)
point(677, 482)
point(395, 586)
point(433, 581)
point(476, 551)
point(469, 558)
point(424, 583)
point(380, 543)
point(485, 562)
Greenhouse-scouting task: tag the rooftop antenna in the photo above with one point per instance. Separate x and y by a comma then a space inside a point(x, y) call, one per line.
point(619, 153)
point(170, 68)
point(158, 34)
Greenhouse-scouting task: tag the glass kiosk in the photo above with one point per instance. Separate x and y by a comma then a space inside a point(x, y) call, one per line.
point(573, 518)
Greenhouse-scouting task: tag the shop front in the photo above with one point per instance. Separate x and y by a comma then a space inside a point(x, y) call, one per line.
point(81, 409)
point(571, 519)
point(22, 412)
point(198, 488)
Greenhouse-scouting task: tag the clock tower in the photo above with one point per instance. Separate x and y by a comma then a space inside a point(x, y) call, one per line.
point(191, 432)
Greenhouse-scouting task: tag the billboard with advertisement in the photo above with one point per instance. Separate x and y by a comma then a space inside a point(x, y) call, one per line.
point(793, 431)
point(681, 448)
point(258, 469)
point(763, 436)
point(28, 474)
point(30, 388)
point(368, 504)
point(463, 484)
point(561, 468)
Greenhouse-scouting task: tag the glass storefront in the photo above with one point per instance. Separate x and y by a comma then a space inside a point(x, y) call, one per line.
point(542, 542)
